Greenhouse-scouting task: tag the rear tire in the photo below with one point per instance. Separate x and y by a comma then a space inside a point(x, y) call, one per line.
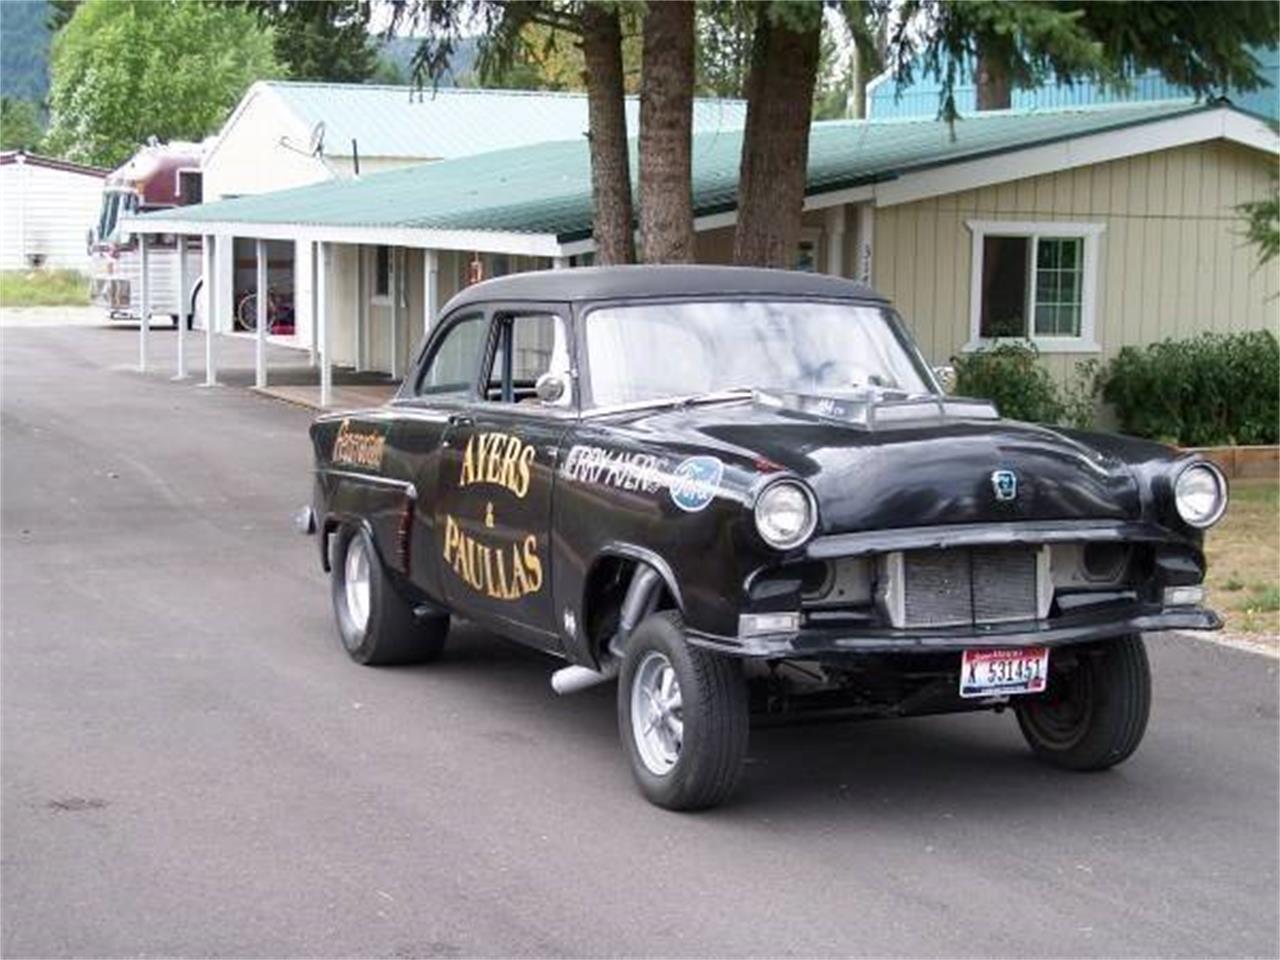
point(376, 624)
point(682, 716)
point(1093, 713)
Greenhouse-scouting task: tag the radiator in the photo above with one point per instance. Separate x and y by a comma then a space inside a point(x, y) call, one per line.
point(966, 586)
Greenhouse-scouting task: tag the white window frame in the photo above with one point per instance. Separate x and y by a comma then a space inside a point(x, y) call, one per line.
point(1090, 232)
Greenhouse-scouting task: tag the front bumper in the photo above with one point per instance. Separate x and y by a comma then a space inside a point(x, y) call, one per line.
point(815, 643)
point(112, 293)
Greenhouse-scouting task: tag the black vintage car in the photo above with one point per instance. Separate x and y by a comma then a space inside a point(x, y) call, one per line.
point(743, 491)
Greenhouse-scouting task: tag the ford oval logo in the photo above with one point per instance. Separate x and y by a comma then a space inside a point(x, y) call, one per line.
point(1005, 484)
point(695, 481)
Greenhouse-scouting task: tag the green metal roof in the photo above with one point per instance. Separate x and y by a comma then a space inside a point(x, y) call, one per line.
point(546, 188)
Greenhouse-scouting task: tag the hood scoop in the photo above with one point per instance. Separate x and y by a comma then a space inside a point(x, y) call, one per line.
point(878, 409)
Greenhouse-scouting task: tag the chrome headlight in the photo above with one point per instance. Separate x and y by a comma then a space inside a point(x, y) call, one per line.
point(786, 514)
point(1200, 494)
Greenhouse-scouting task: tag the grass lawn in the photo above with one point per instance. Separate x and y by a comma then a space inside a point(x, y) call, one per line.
point(1244, 559)
point(43, 288)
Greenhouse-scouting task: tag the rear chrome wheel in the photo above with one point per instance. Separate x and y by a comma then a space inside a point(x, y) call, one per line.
point(376, 622)
point(356, 583)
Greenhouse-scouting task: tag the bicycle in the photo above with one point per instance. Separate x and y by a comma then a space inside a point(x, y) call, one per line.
point(279, 312)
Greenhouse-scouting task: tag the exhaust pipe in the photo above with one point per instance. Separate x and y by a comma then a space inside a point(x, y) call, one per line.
point(572, 679)
point(642, 596)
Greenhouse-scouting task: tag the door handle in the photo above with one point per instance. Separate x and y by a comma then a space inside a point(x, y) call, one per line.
point(460, 420)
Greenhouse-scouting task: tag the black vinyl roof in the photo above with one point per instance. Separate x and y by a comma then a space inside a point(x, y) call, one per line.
point(651, 282)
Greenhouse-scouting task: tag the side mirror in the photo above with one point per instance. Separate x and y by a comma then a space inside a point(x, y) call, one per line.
point(550, 387)
point(946, 377)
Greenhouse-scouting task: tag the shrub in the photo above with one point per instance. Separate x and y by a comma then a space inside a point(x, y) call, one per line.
point(1210, 390)
point(1010, 376)
point(1080, 396)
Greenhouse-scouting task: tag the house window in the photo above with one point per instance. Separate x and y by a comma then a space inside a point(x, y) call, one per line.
point(806, 255)
point(1034, 281)
point(1059, 282)
point(382, 272)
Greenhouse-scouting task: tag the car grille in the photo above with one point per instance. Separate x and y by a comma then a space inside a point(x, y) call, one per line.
point(943, 588)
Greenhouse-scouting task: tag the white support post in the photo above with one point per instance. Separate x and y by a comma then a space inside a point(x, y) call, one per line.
point(835, 240)
point(180, 248)
point(560, 263)
point(315, 301)
point(362, 308)
point(862, 268)
point(394, 255)
point(323, 262)
point(260, 341)
point(144, 303)
point(430, 288)
point(210, 291)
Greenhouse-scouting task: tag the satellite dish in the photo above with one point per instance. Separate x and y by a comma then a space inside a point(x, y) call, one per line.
point(315, 145)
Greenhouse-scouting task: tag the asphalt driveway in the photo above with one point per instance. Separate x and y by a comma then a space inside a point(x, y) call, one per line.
point(191, 767)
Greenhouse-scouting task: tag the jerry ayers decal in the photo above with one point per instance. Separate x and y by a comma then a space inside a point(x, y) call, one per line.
point(507, 570)
point(616, 468)
point(359, 448)
point(693, 483)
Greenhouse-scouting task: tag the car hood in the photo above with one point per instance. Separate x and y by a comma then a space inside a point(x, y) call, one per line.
point(937, 468)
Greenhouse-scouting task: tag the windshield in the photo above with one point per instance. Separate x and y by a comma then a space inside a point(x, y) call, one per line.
point(114, 203)
point(655, 351)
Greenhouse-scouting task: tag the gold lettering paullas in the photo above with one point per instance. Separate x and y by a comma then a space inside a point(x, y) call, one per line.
point(359, 449)
point(505, 572)
point(497, 458)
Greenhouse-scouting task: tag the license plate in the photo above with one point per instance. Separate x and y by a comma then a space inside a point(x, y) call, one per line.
point(998, 673)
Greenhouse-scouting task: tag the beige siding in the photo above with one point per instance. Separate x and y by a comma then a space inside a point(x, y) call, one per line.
point(1172, 261)
point(714, 246)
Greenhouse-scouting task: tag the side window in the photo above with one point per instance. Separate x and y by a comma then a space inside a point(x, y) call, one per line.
point(527, 346)
point(451, 369)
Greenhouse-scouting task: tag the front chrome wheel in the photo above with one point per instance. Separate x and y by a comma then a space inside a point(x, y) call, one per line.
point(356, 583)
point(657, 713)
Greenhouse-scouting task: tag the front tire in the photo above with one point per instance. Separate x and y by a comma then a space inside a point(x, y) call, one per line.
point(682, 716)
point(247, 313)
point(376, 624)
point(1094, 711)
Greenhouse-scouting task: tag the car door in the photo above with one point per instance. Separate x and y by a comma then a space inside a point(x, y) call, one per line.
point(441, 389)
point(497, 476)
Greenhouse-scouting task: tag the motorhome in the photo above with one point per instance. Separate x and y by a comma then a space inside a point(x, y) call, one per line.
point(159, 176)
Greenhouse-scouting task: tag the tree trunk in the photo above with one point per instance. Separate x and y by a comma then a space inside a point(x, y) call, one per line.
point(775, 145)
point(864, 67)
point(607, 132)
point(857, 106)
point(993, 89)
point(666, 123)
